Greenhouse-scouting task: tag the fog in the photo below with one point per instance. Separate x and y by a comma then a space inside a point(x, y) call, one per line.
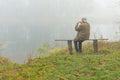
point(27, 24)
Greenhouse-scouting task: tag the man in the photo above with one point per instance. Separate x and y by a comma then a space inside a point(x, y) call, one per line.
point(83, 33)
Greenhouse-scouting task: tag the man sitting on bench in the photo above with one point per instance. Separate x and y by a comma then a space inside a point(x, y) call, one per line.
point(83, 33)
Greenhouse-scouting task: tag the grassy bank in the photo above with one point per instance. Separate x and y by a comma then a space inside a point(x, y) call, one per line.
point(59, 65)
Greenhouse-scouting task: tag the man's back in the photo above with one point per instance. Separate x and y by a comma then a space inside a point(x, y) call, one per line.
point(83, 31)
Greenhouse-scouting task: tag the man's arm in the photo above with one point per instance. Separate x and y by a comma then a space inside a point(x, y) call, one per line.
point(77, 26)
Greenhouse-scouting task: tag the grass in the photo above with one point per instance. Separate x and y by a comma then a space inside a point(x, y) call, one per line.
point(59, 65)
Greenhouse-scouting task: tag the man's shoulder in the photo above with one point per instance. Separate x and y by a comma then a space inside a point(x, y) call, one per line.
point(87, 23)
point(84, 23)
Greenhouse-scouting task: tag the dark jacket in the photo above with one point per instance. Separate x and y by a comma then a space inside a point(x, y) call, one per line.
point(83, 31)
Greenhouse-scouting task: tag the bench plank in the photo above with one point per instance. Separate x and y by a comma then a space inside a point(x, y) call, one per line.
point(73, 40)
point(69, 42)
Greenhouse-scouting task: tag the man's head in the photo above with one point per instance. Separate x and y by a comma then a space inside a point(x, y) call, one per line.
point(84, 19)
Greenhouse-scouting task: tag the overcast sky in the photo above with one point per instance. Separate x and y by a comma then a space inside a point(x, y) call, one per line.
point(49, 11)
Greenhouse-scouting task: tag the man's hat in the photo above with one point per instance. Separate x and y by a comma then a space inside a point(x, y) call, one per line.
point(84, 19)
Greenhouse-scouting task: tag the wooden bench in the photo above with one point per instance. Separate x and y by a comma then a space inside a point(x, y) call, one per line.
point(69, 42)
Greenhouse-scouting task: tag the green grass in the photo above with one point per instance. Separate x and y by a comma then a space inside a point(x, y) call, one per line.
point(59, 65)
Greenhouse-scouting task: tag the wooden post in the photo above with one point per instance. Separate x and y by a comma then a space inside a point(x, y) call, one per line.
point(95, 45)
point(70, 46)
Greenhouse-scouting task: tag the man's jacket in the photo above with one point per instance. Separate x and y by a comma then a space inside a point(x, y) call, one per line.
point(83, 31)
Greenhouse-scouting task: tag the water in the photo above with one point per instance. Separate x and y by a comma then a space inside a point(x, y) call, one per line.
point(19, 41)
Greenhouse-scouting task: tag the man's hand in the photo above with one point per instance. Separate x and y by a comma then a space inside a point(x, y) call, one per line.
point(78, 22)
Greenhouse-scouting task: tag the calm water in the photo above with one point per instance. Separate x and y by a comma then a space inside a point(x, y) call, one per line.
point(20, 41)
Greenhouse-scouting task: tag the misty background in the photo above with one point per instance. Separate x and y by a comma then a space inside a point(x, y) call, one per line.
point(25, 25)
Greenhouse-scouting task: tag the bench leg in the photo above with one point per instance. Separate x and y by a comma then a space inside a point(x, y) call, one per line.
point(95, 46)
point(70, 46)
